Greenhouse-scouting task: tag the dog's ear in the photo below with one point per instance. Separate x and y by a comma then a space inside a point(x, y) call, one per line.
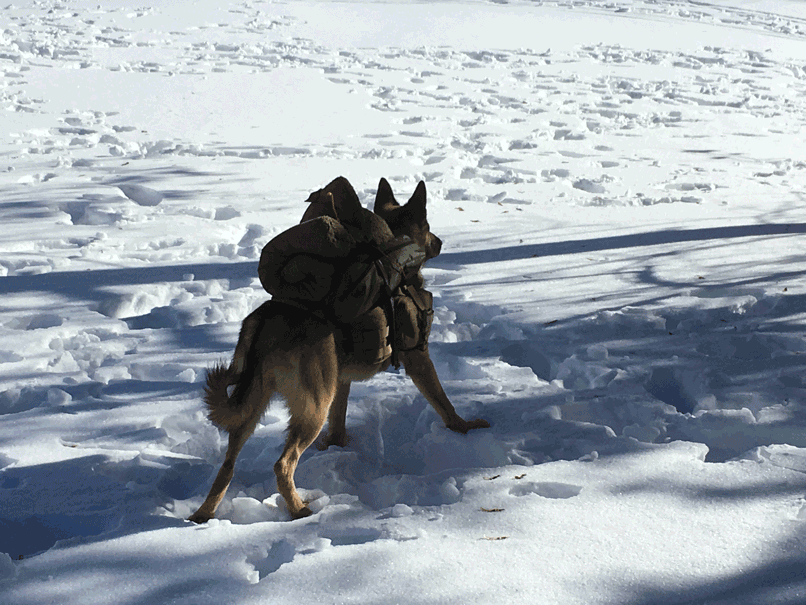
point(416, 204)
point(385, 201)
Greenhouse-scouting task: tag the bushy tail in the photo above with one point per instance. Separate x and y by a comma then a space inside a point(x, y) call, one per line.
point(229, 410)
point(220, 410)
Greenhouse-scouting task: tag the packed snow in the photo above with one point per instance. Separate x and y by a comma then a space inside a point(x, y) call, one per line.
point(620, 191)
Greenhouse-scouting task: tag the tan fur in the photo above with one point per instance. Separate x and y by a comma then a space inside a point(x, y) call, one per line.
point(287, 351)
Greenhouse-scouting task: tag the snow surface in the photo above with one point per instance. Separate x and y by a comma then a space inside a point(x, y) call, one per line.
point(620, 187)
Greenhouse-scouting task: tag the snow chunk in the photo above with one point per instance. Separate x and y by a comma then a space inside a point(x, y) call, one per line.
point(784, 456)
point(589, 186)
point(249, 510)
point(401, 510)
point(57, 397)
point(548, 489)
point(8, 570)
point(226, 213)
point(449, 490)
point(579, 375)
point(141, 195)
point(187, 375)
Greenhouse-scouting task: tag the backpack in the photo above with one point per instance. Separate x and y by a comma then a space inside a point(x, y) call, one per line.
point(339, 263)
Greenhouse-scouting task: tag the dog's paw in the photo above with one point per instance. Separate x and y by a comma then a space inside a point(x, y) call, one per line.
point(200, 517)
point(337, 439)
point(463, 426)
point(301, 513)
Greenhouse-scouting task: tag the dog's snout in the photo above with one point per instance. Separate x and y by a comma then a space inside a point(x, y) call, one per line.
point(434, 245)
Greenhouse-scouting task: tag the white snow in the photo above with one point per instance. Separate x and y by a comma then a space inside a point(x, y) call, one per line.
point(619, 187)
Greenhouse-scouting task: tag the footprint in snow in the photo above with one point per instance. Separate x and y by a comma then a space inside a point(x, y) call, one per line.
point(266, 562)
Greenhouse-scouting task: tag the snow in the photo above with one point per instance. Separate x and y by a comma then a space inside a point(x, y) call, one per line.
point(619, 188)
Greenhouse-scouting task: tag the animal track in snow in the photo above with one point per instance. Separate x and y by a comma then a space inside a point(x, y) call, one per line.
point(341, 536)
point(266, 562)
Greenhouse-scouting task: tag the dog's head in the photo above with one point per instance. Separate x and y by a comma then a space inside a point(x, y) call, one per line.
point(410, 219)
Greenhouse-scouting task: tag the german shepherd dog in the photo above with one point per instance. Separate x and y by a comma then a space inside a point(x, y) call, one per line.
point(289, 352)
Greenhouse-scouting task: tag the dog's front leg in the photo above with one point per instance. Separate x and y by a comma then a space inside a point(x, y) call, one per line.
point(421, 369)
point(337, 418)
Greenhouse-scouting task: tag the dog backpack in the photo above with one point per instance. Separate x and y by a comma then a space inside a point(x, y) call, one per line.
point(339, 262)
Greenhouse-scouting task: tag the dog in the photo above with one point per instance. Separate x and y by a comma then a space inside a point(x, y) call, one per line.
point(288, 351)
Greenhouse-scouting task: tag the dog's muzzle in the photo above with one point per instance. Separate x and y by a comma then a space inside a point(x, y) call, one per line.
point(434, 246)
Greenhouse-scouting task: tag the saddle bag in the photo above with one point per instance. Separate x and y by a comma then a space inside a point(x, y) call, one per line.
point(414, 314)
point(327, 266)
point(369, 338)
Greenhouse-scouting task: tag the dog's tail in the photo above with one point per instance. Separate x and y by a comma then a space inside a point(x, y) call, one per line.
point(228, 410)
point(220, 410)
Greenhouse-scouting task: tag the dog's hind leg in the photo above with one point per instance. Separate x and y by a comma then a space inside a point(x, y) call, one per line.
point(256, 401)
point(308, 399)
point(302, 430)
point(237, 439)
point(299, 438)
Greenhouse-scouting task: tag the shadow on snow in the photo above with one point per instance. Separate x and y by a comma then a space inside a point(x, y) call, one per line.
point(651, 379)
point(601, 244)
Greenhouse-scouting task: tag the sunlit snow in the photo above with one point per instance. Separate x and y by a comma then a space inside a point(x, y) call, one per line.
point(620, 191)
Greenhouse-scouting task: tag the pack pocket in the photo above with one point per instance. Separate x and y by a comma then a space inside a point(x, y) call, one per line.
point(414, 314)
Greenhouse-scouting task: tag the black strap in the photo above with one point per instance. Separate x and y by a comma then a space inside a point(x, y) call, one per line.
point(425, 315)
point(389, 307)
